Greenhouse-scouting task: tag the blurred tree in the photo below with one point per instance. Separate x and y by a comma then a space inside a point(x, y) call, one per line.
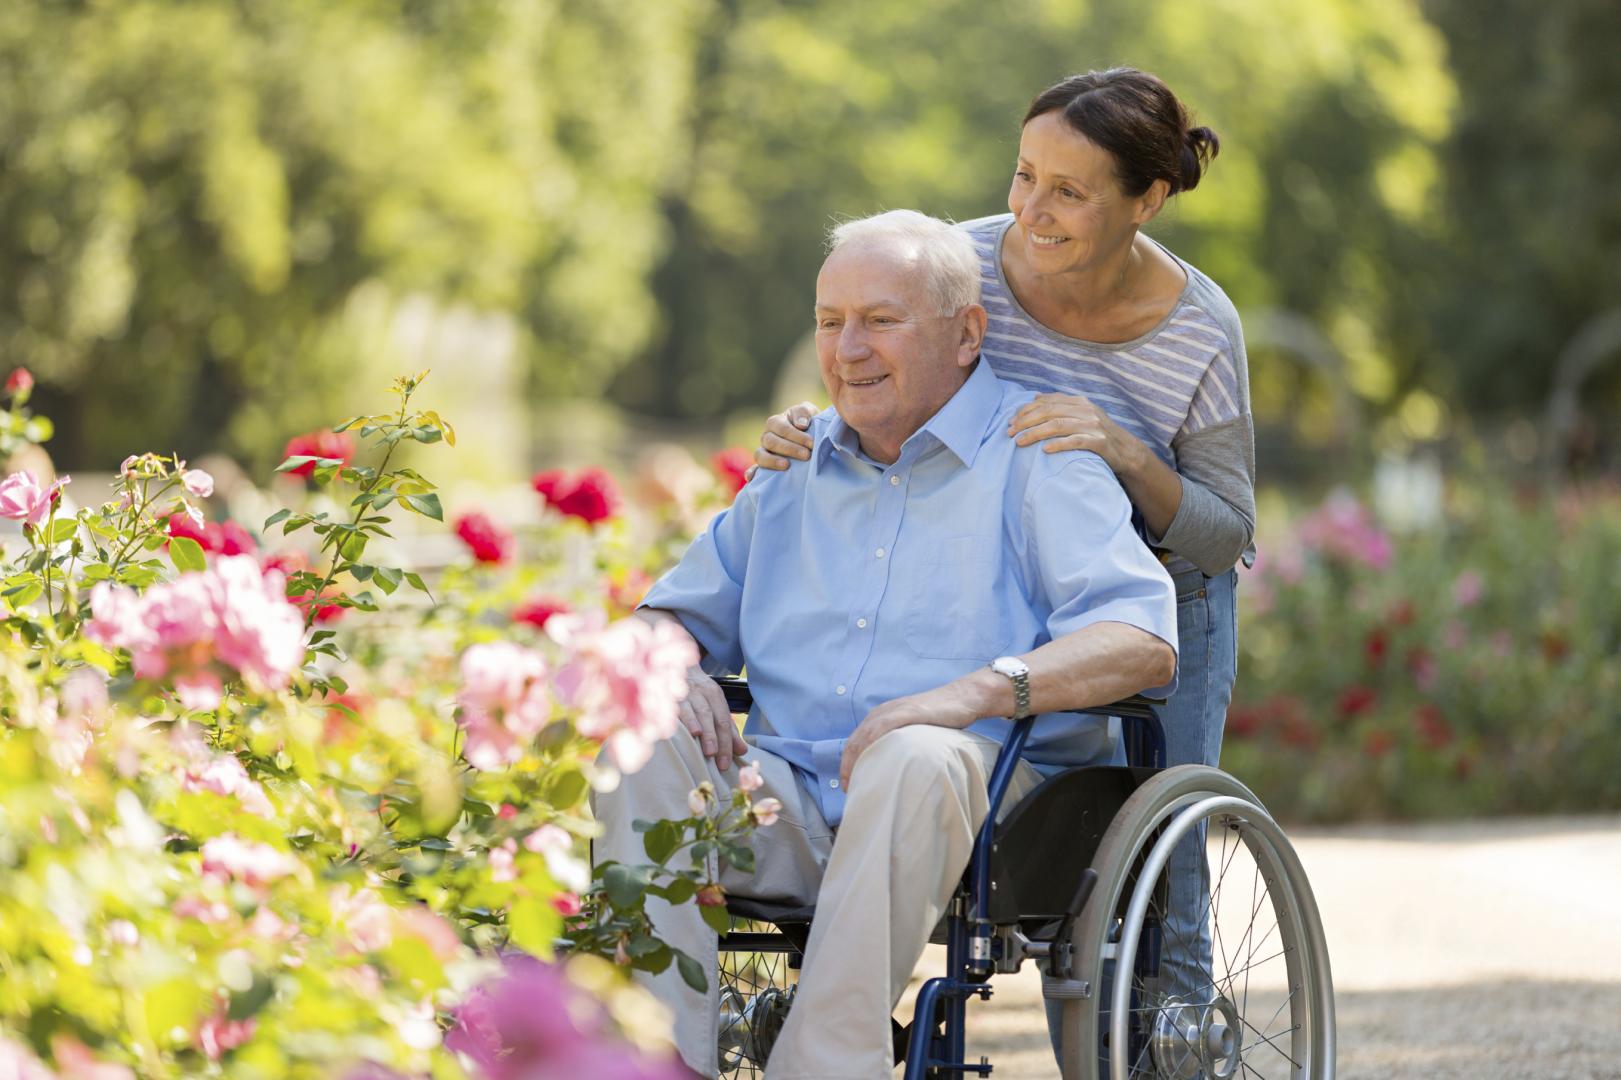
point(1531, 185)
point(191, 191)
point(1329, 114)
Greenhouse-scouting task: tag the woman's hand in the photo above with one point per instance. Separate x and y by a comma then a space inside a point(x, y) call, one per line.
point(785, 440)
point(1070, 422)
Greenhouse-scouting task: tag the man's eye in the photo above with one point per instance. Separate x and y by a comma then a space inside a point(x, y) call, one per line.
point(882, 320)
point(827, 324)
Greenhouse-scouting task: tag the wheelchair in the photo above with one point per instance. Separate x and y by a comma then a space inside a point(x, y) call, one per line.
point(1074, 878)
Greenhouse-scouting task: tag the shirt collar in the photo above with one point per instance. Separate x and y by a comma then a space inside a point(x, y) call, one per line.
point(959, 425)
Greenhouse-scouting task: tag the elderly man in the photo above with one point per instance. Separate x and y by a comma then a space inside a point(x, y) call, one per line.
point(919, 581)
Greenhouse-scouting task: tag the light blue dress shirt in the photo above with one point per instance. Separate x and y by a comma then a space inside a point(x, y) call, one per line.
point(844, 583)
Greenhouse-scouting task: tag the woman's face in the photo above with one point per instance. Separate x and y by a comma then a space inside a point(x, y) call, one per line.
point(1071, 212)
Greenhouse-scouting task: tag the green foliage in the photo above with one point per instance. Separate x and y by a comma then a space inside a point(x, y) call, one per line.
point(191, 193)
point(236, 842)
point(1329, 116)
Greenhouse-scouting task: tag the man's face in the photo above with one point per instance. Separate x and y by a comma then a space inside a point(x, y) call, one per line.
point(888, 360)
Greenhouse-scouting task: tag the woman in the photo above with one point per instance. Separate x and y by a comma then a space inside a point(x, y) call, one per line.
point(1139, 358)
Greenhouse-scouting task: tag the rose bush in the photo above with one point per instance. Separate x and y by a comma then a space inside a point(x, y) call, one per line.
point(1472, 668)
point(238, 838)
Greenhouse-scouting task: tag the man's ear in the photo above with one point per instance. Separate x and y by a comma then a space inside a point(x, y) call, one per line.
point(1150, 202)
point(973, 334)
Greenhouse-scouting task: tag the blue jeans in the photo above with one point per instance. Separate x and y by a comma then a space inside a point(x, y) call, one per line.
point(1193, 718)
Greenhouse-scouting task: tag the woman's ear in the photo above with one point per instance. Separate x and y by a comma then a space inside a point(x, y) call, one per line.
point(1150, 202)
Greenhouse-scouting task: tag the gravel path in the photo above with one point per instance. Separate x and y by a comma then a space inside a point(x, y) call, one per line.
point(1483, 950)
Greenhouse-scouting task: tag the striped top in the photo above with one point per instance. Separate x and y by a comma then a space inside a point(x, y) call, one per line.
point(1182, 388)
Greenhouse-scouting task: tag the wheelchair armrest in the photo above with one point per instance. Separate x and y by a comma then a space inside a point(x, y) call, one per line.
point(1134, 706)
point(738, 697)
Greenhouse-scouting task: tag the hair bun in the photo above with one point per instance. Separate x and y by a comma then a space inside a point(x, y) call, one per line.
point(1199, 145)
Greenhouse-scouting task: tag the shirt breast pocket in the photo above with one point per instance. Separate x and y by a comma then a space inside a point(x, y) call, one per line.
point(954, 611)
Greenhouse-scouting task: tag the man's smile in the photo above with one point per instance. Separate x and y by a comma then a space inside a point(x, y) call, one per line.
point(865, 382)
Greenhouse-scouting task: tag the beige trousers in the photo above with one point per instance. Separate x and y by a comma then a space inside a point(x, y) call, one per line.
point(916, 799)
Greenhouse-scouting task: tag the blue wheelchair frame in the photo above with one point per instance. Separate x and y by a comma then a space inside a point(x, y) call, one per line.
point(935, 1041)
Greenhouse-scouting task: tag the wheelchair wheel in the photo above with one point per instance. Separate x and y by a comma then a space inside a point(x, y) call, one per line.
point(756, 989)
point(1261, 1003)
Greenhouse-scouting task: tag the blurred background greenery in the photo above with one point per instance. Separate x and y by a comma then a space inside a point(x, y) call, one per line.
point(215, 217)
point(224, 223)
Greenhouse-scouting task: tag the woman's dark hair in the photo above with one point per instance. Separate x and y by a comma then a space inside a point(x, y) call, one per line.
point(1137, 119)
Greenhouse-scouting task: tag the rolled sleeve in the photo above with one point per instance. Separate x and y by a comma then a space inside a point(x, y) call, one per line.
point(705, 589)
point(1090, 560)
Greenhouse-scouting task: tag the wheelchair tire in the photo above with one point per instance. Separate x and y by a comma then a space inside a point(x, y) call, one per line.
point(756, 989)
point(1262, 1007)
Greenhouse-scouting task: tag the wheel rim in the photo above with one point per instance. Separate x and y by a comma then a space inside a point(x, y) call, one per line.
point(1217, 1019)
point(756, 991)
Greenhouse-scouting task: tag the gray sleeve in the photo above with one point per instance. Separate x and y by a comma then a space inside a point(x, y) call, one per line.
point(1215, 523)
point(1214, 526)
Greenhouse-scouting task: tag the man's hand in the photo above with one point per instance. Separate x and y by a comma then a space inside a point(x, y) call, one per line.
point(945, 706)
point(704, 713)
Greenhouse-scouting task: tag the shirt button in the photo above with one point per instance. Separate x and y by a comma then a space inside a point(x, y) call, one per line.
point(861, 623)
point(879, 553)
point(839, 690)
point(894, 481)
point(832, 783)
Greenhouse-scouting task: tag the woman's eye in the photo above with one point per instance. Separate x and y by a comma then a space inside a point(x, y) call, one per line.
point(1068, 194)
point(1026, 177)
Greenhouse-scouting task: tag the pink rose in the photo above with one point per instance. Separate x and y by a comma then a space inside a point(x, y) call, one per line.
point(504, 702)
point(366, 918)
point(198, 483)
point(766, 811)
point(557, 846)
point(627, 682)
point(20, 383)
point(219, 1034)
point(22, 498)
point(256, 865)
point(749, 778)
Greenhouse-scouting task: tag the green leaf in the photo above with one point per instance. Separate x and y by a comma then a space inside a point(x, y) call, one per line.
point(692, 972)
point(97, 571)
point(625, 885)
point(186, 554)
point(415, 581)
point(63, 530)
point(347, 424)
point(680, 890)
point(295, 461)
point(715, 915)
point(533, 924)
point(361, 571)
point(389, 578)
point(426, 505)
point(21, 596)
point(280, 515)
point(662, 840)
point(251, 1000)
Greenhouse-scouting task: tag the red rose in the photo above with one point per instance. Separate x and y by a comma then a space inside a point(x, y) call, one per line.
point(590, 494)
point(1377, 743)
point(233, 539)
point(1355, 700)
point(538, 610)
point(732, 465)
point(488, 542)
point(1375, 646)
point(185, 525)
point(20, 383)
point(323, 444)
point(324, 612)
point(1433, 730)
point(711, 895)
point(547, 482)
point(567, 904)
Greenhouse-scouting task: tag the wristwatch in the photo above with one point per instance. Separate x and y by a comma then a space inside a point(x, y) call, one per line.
point(1016, 670)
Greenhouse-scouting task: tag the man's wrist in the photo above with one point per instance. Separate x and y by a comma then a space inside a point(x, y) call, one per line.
point(986, 693)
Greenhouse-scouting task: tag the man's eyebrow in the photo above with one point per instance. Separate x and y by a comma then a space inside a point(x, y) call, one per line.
point(874, 306)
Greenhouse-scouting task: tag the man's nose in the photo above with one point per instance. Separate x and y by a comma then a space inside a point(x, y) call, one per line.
point(852, 343)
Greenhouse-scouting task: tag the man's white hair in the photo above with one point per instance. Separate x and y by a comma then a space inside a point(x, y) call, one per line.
point(944, 253)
